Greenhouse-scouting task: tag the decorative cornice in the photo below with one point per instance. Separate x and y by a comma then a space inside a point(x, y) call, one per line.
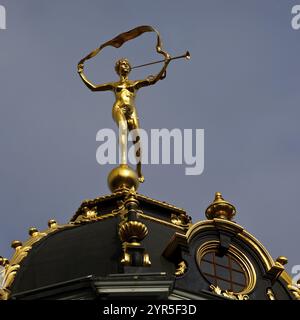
point(161, 221)
point(90, 203)
point(160, 203)
point(91, 216)
point(181, 220)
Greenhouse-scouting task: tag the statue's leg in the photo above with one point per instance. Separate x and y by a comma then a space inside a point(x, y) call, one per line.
point(134, 125)
point(121, 121)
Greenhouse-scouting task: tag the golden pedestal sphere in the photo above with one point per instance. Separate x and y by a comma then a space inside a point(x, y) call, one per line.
point(122, 177)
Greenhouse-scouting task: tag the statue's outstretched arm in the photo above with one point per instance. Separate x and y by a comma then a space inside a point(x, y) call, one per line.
point(153, 79)
point(89, 84)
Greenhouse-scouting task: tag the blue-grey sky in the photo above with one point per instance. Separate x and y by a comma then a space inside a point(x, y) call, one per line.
point(241, 86)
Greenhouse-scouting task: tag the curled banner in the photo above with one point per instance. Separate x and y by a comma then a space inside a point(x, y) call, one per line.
point(119, 40)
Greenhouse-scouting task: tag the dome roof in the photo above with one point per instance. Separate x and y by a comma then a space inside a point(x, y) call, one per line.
point(128, 244)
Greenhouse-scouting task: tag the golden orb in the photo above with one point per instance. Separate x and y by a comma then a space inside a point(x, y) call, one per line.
point(122, 177)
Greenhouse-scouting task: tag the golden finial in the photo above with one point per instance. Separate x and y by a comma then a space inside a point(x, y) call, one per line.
point(52, 224)
point(220, 208)
point(16, 244)
point(282, 260)
point(33, 232)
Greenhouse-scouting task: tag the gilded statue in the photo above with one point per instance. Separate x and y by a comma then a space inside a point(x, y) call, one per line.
point(124, 111)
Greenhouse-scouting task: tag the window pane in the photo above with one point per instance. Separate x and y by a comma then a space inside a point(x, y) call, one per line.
point(222, 272)
point(238, 278)
point(211, 280)
point(224, 285)
point(235, 265)
point(208, 257)
point(223, 261)
point(237, 288)
point(207, 267)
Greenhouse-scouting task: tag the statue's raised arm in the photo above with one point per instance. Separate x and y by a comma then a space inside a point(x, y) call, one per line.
point(88, 83)
point(153, 79)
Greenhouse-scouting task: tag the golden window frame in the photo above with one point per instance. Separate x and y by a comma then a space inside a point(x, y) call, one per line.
point(236, 254)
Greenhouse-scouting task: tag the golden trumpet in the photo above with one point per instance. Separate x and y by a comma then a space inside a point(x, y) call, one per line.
point(186, 56)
